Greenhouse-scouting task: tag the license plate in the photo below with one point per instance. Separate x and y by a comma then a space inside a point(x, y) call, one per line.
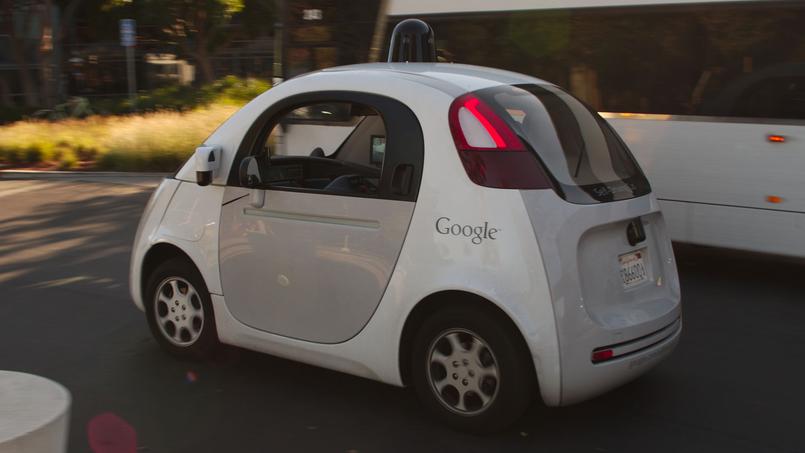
point(633, 268)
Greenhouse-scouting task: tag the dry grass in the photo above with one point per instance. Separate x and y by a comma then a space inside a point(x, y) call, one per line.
point(154, 141)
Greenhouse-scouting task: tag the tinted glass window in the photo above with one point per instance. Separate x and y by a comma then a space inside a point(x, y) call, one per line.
point(779, 97)
point(325, 33)
point(664, 59)
point(327, 147)
point(579, 148)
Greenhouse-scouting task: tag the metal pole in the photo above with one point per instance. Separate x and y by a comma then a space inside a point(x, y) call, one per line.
point(132, 76)
point(380, 32)
point(279, 31)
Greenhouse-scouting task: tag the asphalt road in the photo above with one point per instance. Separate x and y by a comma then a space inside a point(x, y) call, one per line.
point(736, 383)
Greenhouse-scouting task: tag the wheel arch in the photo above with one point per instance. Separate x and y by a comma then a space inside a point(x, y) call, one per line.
point(452, 298)
point(157, 254)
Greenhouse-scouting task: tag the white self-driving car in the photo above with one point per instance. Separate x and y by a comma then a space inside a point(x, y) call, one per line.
point(479, 235)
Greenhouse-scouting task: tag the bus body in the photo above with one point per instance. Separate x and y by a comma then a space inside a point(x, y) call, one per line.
point(709, 96)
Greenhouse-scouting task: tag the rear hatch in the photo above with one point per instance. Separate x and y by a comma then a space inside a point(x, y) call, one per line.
point(602, 236)
point(585, 159)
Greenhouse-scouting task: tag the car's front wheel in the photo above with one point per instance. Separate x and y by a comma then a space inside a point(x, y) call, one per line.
point(471, 370)
point(179, 309)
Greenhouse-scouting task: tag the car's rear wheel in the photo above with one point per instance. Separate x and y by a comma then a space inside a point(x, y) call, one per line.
point(471, 370)
point(179, 309)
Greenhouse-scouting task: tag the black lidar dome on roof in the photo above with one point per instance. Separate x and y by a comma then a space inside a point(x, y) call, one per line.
point(412, 41)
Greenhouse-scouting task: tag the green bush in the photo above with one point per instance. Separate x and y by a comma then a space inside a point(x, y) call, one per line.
point(33, 155)
point(86, 153)
point(128, 161)
point(234, 90)
point(67, 161)
point(228, 90)
point(10, 155)
point(11, 114)
point(177, 97)
point(117, 161)
point(149, 141)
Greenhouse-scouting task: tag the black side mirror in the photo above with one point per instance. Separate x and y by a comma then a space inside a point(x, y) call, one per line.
point(253, 171)
point(207, 158)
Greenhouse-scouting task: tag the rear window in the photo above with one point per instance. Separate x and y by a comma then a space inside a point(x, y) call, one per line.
point(587, 160)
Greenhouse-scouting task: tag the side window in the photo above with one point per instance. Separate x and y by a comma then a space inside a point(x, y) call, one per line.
point(336, 142)
point(781, 97)
point(332, 147)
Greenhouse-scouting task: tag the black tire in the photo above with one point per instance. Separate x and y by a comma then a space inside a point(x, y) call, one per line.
point(514, 387)
point(179, 269)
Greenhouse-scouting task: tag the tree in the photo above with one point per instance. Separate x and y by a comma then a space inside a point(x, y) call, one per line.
point(18, 18)
point(33, 36)
point(198, 27)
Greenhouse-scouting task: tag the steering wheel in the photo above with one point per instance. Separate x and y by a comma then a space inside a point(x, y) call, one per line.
point(352, 184)
point(365, 185)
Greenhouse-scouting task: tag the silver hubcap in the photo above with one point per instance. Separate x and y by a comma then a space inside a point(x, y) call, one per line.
point(463, 371)
point(178, 311)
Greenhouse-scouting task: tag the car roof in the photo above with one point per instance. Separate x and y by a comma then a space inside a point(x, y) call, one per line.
point(454, 79)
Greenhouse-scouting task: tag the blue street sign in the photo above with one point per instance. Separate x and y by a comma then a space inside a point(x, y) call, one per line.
point(128, 33)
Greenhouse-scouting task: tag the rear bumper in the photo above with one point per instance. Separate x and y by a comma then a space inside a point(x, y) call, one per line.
point(634, 346)
point(632, 359)
point(581, 246)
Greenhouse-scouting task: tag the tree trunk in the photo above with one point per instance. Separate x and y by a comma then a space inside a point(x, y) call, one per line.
point(5, 94)
point(29, 90)
point(46, 56)
point(59, 32)
point(18, 48)
point(204, 64)
point(202, 53)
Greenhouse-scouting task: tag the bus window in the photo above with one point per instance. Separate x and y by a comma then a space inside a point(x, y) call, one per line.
point(773, 98)
point(677, 59)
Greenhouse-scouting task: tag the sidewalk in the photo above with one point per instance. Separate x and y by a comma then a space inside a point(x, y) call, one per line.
point(109, 177)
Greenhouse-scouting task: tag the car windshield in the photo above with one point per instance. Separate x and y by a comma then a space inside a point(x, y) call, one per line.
point(585, 157)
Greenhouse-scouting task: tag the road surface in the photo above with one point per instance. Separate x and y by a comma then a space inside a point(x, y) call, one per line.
point(736, 383)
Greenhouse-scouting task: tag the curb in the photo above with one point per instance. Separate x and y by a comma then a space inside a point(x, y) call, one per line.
point(150, 179)
point(55, 174)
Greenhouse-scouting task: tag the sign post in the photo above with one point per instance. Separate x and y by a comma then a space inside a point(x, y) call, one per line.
point(128, 39)
point(279, 32)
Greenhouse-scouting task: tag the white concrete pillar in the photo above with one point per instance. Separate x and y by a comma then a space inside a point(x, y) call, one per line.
point(34, 414)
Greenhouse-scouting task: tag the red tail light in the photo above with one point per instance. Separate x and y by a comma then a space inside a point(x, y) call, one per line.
point(492, 154)
point(601, 355)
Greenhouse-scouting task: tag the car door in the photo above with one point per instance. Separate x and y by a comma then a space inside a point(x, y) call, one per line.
point(309, 252)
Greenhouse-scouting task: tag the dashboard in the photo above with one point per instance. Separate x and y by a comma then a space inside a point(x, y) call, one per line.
point(321, 173)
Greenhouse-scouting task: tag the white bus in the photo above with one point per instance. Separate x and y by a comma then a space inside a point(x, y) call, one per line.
point(709, 95)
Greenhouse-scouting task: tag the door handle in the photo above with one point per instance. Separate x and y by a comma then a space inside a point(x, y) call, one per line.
point(257, 198)
point(401, 179)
